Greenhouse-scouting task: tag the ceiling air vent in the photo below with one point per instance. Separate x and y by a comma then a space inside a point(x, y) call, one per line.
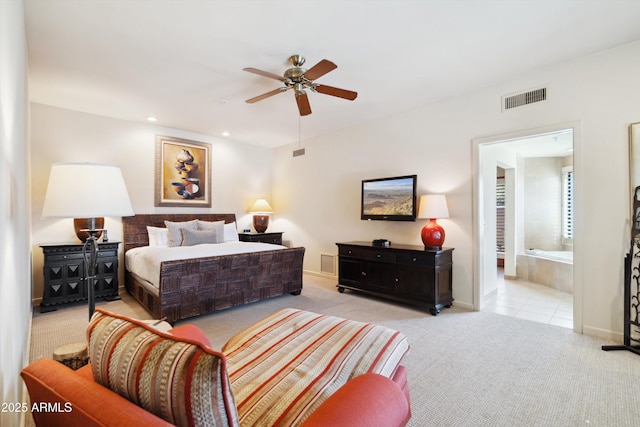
point(524, 98)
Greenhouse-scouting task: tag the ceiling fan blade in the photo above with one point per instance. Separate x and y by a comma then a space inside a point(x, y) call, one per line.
point(303, 103)
point(267, 95)
point(320, 69)
point(264, 73)
point(334, 91)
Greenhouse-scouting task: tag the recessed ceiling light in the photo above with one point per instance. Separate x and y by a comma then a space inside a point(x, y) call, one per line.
point(152, 119)
point(225, 133)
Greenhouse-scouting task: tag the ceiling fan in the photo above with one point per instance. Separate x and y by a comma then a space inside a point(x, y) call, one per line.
point(299, 79)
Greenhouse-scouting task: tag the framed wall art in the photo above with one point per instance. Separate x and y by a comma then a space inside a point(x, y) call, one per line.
point(183, 173)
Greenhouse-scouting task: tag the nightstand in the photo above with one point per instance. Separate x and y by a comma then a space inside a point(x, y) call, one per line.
point(64, 280)
point(274, 238)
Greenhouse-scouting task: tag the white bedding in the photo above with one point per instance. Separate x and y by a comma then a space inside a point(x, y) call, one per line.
point(145, 261)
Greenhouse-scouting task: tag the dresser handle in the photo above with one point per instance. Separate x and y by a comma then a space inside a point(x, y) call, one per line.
point(415, 259)
point(378, 255)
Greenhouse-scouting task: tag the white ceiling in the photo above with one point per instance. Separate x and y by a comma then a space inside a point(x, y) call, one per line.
point(552, 144)
point(555, 144)
point(182, 60)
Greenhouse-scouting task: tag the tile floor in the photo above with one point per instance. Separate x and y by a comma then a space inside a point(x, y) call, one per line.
point(526, 300)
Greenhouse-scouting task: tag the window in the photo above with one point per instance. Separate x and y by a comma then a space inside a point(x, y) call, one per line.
point(567, 205)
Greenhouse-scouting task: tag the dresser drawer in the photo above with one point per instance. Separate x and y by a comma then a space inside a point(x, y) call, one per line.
point(64, 257)
point(369, 254)
point(273, 240)
point(107, 254)
point(381, 256)
point(415, 258)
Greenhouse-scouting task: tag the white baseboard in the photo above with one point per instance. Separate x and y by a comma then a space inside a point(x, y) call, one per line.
point(603, 334)
point(464, 305)
point(319, 274)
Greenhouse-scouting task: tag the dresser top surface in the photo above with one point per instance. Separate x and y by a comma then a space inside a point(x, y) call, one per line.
point(73, 245)
point(255, 233)
point(392, 246)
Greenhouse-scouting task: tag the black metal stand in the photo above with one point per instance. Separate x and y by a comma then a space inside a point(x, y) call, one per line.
point(90, 253)
point(633, 349)
point(631, 302)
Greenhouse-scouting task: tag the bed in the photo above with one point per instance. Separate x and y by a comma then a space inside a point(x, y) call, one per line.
point(190, 287)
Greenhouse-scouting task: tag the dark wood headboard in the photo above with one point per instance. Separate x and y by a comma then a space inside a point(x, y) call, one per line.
point(134, 228)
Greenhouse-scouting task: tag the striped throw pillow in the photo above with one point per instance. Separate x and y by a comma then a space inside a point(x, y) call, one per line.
point(179, 380)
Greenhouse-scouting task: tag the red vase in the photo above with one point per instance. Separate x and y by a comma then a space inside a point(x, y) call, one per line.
point(260, 223)
point(432, 235)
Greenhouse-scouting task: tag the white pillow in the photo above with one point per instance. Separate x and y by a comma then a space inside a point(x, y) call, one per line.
point(230, 232)
point(158, 236)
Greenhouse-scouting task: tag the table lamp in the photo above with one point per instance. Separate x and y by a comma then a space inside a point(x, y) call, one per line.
point(433, 206)
point(91, 191)
point(261, 210)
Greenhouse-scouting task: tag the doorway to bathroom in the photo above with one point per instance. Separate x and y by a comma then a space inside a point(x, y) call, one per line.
point(524, 225)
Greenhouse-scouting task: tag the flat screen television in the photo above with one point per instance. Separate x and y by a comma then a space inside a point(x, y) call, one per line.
point(390, 199)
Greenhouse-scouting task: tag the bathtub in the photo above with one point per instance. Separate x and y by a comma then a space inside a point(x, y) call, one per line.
point(549, 268)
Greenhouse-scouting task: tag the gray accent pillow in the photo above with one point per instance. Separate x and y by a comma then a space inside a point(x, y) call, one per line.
point(175, 230)
point(198, 237)
point(210, 225)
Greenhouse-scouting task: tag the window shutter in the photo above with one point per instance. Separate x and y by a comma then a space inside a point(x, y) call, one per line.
point(500, 203)
point(567, 203)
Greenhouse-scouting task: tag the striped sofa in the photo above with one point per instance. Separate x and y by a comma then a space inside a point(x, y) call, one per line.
point(292, 368)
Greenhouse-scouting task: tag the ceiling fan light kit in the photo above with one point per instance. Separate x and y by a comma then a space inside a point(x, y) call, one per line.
point(299, 79)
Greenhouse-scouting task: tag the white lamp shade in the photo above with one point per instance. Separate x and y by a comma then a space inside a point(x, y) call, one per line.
point(433, 206)
point(261, 206)
point(86, 190)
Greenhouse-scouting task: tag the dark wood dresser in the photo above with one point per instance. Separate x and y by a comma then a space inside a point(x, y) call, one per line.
point(64, 280)
point(404, 273)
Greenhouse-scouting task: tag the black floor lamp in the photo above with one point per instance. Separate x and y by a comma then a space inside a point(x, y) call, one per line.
point(87, 190)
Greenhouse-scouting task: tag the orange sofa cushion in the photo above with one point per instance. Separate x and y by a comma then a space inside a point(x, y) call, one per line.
point(177, 379)
point(385, 405)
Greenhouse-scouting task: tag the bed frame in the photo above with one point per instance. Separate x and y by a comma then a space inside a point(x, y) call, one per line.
point(202, 285)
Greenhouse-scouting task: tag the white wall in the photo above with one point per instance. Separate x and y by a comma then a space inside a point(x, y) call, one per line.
point(494, 155)
point(240, 173)
point(318, 194)
point(15, 268)
point(543, 203)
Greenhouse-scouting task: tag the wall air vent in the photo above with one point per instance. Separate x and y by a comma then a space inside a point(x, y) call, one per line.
point(524, 98)
point(328, 264)
point(298, 152)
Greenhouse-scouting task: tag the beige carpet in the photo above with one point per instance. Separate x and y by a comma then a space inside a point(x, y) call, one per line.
point(465, 368)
